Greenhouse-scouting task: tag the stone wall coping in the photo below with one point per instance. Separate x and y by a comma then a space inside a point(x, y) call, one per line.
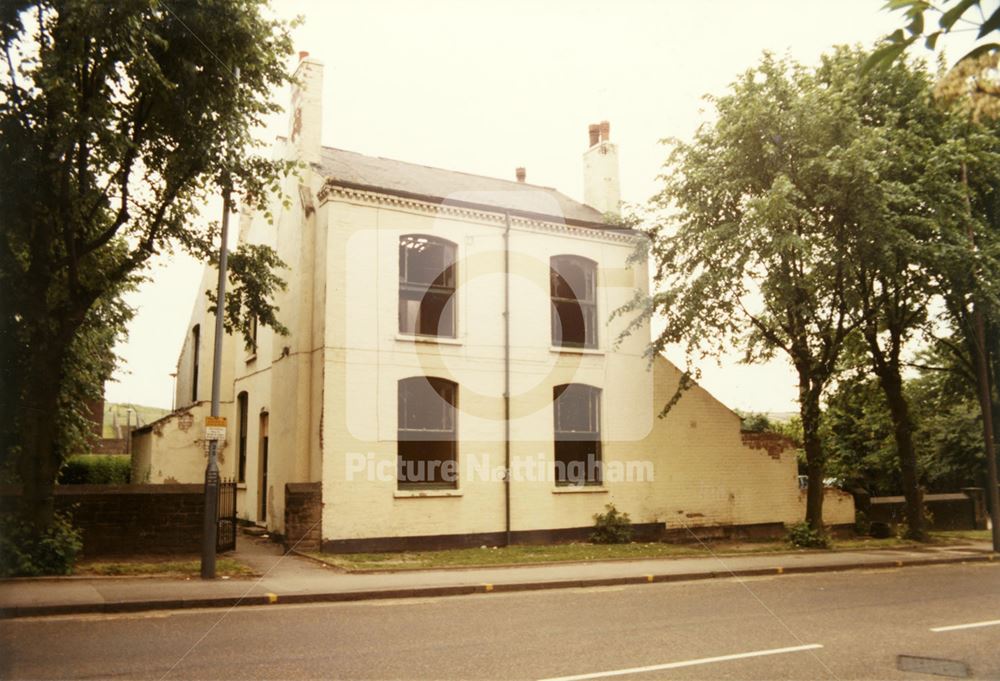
point(91, 490)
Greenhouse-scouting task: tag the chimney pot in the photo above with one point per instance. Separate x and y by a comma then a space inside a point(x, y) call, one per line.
point(605, 131)
point(595, 131)
point(303, 54)
point(521, 174)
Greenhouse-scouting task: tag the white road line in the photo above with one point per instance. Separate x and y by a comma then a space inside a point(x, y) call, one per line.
point(973, 625)
point(686, 663)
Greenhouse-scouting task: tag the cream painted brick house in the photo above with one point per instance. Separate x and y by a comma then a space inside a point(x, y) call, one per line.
point(453, 374)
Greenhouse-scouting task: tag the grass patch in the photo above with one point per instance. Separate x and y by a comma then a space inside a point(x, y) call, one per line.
point(973, 535)
point(224, 567)
point(531, 555)
point(564, 553)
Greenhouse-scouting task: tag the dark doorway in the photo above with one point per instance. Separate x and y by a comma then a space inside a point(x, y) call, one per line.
point(262, 495)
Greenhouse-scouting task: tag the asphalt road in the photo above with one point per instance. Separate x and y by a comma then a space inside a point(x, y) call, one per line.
point(850, 625)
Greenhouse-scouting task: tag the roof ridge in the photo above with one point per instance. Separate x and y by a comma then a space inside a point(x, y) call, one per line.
point(446, 170)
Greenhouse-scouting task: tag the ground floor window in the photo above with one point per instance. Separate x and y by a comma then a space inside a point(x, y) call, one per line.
point(577, 415)
point(426, 436)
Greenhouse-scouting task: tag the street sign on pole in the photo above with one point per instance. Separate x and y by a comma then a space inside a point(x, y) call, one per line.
point(215, 428)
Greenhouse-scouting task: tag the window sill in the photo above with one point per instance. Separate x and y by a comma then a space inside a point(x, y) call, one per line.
point(434, 340)
point(426, 493)
point(580, 489)
point(562, 350)
point(250, 358)
point(241, 485)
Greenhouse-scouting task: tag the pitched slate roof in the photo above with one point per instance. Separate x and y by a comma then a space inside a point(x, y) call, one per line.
point(351, 169)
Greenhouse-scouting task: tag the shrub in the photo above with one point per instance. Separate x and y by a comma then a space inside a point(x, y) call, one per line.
point(24, 554)
point(611, 527)
point(96, 469)
point(801, 536)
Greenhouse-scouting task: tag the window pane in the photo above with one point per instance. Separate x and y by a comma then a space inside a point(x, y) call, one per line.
point(578, 462)
point(425, 261)
point(569, 326)
point(437, 316)
point(576, 409)
point(427, 463)
point(426, 404)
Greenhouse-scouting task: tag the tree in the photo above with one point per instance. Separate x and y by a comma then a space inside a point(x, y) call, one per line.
point(749, 238)
point(117, 120)
point(901, 139)
point(967, 14)
point(858, 430)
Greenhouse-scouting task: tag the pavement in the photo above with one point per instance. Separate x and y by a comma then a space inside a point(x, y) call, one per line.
point(290, 578)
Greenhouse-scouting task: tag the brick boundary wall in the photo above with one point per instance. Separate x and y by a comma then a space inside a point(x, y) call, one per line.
point(303, 516)
point(130, 519)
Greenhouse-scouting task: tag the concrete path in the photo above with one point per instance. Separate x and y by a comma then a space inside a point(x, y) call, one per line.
point(295, 579)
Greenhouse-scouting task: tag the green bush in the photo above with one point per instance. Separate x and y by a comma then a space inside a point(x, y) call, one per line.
point(24, 554)
point(96, 469)
point(801, 536)
point(611, 527)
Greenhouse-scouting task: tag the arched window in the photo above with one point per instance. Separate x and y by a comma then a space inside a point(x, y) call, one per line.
point(426, 286)
point(577, 415)
point(426, 436)
point(195, 360)
point(573, 287)
point(241, 424)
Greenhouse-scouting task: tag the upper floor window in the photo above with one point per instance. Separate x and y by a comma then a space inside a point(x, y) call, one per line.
point(426, 437)
point(195, 360)
point(573, 287)
point(577, 413)
point(426, 286)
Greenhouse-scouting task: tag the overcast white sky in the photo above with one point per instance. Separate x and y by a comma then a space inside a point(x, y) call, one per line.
point(484, 87)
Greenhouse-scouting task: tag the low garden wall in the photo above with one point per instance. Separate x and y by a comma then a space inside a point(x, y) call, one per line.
point(131, 519)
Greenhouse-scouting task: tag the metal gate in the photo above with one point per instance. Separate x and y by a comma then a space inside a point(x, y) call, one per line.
point(225, 537)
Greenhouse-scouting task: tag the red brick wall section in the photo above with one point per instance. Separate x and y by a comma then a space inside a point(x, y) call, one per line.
point(773, 443)
point(132, 519)
point(303, 513)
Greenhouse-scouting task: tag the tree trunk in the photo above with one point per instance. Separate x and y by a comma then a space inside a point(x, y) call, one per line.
point(38, 462)
point(809, 411)
point(899, 409)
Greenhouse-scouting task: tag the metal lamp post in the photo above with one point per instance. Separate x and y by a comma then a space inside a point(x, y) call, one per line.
point(211, 526)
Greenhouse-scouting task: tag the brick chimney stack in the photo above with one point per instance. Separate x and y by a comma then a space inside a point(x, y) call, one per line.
point(521, 174)
point(305, 123)
point(601, 188)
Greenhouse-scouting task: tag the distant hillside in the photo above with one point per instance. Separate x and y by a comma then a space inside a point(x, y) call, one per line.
point(119, 415)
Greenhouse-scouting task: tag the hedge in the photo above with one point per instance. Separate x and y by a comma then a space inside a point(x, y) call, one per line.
point(96, 469)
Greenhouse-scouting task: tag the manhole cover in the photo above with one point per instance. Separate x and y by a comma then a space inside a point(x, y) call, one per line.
point(932, 665)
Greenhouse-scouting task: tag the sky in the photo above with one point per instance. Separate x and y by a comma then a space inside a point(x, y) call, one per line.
point(484, 87)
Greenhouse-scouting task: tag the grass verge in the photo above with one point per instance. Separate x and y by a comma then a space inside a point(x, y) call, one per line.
point(562, 553)
point(153, 567)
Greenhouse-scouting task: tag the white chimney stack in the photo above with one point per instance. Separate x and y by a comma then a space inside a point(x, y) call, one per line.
point(601, 188)
point(305, 124)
